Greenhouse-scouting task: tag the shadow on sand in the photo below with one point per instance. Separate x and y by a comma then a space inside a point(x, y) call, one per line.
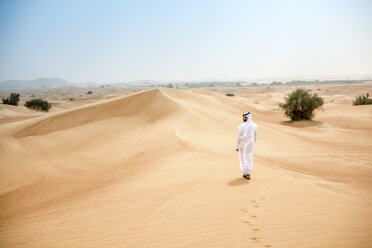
point(239, 182)
point(303, 123)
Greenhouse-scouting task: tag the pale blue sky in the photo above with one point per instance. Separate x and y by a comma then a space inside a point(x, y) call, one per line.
point(183, 40)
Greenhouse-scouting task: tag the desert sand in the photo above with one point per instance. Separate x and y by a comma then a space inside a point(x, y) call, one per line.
point(158, 168)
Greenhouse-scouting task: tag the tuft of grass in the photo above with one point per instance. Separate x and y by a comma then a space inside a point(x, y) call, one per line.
point(230, 94)
point(38, 105)
point(362, 100)
point(13, 99)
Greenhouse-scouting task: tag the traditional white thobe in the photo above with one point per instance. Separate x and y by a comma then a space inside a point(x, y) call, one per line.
point(245, 143)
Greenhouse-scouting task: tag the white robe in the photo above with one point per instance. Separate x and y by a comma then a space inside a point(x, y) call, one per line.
point(245, 143)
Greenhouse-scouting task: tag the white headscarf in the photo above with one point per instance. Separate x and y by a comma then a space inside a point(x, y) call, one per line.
point(249, 116)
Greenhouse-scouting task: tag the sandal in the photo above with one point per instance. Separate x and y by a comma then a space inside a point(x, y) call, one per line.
point(248, 177)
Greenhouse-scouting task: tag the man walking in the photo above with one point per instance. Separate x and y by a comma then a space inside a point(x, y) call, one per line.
point(245, 144)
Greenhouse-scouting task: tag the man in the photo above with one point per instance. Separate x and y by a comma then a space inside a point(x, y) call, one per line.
point(245, 144)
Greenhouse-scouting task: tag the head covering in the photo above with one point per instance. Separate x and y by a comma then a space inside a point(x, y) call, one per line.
point(248, 115)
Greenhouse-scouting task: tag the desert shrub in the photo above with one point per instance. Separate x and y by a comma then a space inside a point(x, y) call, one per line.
point(230, 94)
point(71, 99)
point(38, 104)
point(13, 99)
point(90, 92)
point(362, 100)
point(169, 85)
point(300, 104)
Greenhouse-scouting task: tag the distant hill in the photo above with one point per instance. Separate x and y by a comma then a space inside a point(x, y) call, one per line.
point(36, 83)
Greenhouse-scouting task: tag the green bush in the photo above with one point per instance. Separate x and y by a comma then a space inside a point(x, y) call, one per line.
point(230, 94)
point(300, 104)
point(38, 104)
point(362, 100)
point(89, 92)
point(13, 99)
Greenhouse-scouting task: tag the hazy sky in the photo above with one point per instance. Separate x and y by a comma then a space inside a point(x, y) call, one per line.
point(183, 40)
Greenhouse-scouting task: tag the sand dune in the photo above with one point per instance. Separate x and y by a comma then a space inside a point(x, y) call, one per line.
point(158, 168)
point(10, 113)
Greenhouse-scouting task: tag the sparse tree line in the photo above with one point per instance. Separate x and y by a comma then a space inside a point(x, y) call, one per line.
point(36, 104)
point(255, 84)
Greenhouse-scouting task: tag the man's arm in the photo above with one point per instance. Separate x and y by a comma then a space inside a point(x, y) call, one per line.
point(239, 138)
point(255, 135)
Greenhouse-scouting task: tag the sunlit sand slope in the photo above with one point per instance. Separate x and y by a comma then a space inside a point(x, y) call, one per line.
point(159, 169)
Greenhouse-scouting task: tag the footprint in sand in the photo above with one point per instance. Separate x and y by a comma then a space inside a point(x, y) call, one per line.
point(243, 210)
point(256, 229)
point(247, 222)
point(255, 239)
point(253, 216)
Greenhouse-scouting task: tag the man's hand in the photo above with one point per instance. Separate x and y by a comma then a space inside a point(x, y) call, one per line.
point(237, 149)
